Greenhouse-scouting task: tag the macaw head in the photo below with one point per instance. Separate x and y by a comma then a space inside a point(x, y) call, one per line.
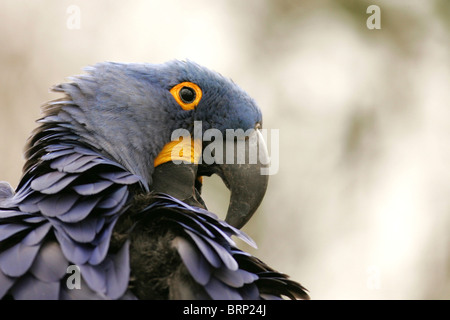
point(134, 114)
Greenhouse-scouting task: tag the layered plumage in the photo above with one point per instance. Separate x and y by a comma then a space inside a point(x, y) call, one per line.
point(87, 196)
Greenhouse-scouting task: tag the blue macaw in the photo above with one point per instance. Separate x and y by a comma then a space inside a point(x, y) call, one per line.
point(102, 196)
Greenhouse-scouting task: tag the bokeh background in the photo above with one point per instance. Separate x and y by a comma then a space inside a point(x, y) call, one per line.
point(360, 206)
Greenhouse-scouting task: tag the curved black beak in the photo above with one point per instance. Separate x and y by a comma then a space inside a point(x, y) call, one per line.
point(242, 171)
point(242, 164)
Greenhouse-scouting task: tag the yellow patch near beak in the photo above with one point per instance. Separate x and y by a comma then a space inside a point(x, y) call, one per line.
point(185, 150)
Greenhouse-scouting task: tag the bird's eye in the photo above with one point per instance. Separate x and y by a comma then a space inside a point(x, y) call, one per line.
point(187, 94)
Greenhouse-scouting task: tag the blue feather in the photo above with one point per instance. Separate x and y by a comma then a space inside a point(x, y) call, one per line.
point(7, 230)
point(207, 251)
point(110, 277)
point(120, 177)
point(80, 210)
point(219, 291)
point(16, 260)
point(83, 231)
point(92, 188)
point(59, 185)
point(193, 259)
point(30, 288)
point(5, 283)
point(47, 180)
point(114, 199)
point(60, 163)
point(36, 235)
point(57, 204)
point(101, 243)
point(75, 252)
point(50, 264)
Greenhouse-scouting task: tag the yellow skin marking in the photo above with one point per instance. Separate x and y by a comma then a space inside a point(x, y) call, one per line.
point(185, 149)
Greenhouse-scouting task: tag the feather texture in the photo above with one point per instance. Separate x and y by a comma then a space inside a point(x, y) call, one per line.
point(70, 194)
point(207, 251)
point(78, 201)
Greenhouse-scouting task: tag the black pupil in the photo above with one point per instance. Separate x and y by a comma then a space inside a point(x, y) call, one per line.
point(187, 95)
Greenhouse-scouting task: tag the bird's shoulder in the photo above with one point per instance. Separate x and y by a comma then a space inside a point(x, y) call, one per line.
point(64, 211)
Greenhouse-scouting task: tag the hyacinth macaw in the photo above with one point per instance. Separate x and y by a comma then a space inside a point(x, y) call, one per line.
point(101, 196)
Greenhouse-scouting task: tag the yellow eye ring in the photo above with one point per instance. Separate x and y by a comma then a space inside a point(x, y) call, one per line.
point(187, 94)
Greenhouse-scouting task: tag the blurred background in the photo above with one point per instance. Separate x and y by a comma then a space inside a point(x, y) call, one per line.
point(360, 206)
